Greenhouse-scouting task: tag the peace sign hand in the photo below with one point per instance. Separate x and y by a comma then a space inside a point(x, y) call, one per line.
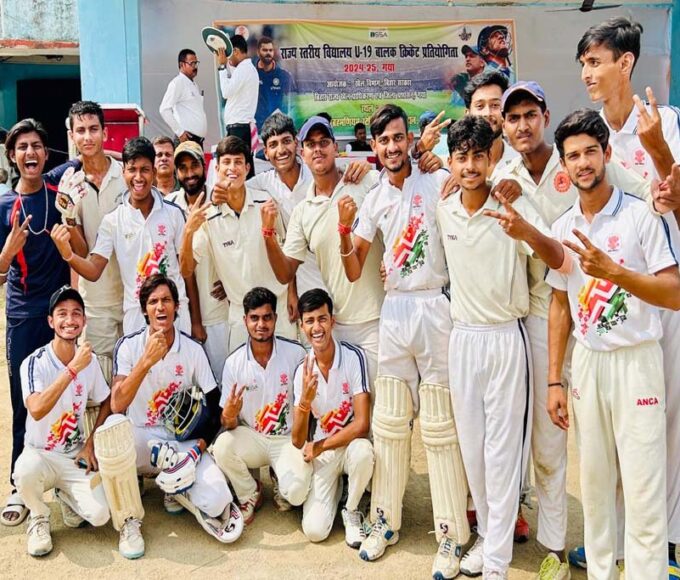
point(432, 133)
point(513, 224)
point(233, 405)
point(594, 262)
point(649, 126)
point(17, 236)
point(197, 214)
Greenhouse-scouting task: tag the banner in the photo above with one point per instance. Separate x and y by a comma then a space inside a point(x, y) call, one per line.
point(350, 69)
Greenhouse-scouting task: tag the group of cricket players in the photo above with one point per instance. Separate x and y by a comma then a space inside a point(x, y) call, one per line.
point(299, 321)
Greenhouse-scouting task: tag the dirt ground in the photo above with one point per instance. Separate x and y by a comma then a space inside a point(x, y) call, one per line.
point(273, 547)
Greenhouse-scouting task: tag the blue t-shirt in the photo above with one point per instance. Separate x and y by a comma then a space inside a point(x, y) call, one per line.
point(38, 269)
point(275, 88)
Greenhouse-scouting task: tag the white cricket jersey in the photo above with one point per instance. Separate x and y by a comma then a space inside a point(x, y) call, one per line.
point(552, 196)
point(606, 316)
point(143, 246)
point(95, 204)
point(213, 311)
point(333, 406)
point(240, 87)
point(413, 253)
point(487, 268)
point(508, 155)
point(235, 244)
point(313, 227)
point(62, 429)
point(626, 142)
point(185, 365)
point(307, 276)
point(268, 397)
point(182, 107)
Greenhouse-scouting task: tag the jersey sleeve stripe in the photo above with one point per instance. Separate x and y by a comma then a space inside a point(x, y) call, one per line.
point(362, 363)
point(667, 231)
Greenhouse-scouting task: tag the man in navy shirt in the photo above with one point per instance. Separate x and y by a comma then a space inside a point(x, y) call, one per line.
point(31, 267)
point(275, 83)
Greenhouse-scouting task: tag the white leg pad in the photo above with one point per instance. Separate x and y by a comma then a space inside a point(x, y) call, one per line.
point(106, 364)
point(114, 447)
point(392, 416)
point(448, 483)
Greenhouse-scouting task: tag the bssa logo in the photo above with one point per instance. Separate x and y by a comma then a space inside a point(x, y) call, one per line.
point(378, 33)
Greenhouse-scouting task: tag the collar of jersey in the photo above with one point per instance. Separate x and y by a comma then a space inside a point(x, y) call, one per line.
point(457, 206)
point(611, 208)
point(226, 210)
point(249, 351)
point(175, 348)
point(157, 200)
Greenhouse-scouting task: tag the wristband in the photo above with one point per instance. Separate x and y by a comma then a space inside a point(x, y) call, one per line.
point(4, 274)
point(555, 384)
point(344, 230)
point(73, 374)
point(304, 408)
point(68, 260)
point(268, 232)
point(347, 254)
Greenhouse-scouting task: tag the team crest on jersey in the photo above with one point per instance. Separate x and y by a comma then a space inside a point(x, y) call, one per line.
point(345, 388)
point(179, 371)
point(408, 251)
point(613, 243)
point(603, 304)
point(64, 431)
point(283, 379)
point(417, 201)
point(336, 419)
point(157, 403)
point(162, 230)
point(272, 419)
point(640, 157)
point(562, 183)
point(276, 82)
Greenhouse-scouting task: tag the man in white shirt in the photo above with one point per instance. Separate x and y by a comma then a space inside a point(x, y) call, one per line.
point(313, 227)
point(145, 232)
point(645, 138)
point(57, 381)
point(257, 403)
point(331, 421)
point(211, 324)
point(182, 105)
point(623, 267)
point(489, 354)
point(99, 187)
point(231, 235)
point(151, 366)
point(239, 85)
point(414, 327)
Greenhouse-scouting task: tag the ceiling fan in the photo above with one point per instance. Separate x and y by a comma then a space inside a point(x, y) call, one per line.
point(587, 6)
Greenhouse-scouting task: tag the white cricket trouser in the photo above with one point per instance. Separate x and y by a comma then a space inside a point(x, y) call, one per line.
point(670, 343)
point(216, 346)
point(548, 447)
point(133, 319)
point(241, 449)
point(210, 492)
point(490, 370)
point(365, 335)
point(414, 332)
point(321, 505)
point(38, 471)
point(238, 334)
point(619, 407)
point(104, 327)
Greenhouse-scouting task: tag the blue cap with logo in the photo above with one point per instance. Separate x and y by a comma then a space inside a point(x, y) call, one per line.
point(315, 122)
point(531, 87)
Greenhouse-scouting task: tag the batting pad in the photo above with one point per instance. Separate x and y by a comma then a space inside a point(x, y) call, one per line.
point(448, 483)
point(114, 448)
point(392, 415)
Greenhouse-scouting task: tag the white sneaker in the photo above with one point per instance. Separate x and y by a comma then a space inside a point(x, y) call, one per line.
point(472, 563)
point(280, 502)
point(39, 538)
point(553, 569)
point(380, 536)
point(251, 505)
point(68, 514)
point(171, 505)
point(447, 561)
point(355, 532)
point(495, 575)
point(233, 524)
point(131, 542)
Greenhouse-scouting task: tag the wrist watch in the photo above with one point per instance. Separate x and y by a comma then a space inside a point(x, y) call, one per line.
point(222, 67)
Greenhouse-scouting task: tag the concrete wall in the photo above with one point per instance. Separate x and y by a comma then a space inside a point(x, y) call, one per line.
point(39, 20)
point(546, 44)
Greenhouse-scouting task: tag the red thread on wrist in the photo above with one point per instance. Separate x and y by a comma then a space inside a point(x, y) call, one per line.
point(268, 232)
point(73, 374)
point(344, 230)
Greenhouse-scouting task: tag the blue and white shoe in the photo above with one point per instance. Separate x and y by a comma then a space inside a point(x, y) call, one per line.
point(376, 543)
point(577, 558)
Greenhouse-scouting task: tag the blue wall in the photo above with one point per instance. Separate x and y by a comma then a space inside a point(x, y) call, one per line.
point(110, 50)
point(674, 96)
point(11, 73)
